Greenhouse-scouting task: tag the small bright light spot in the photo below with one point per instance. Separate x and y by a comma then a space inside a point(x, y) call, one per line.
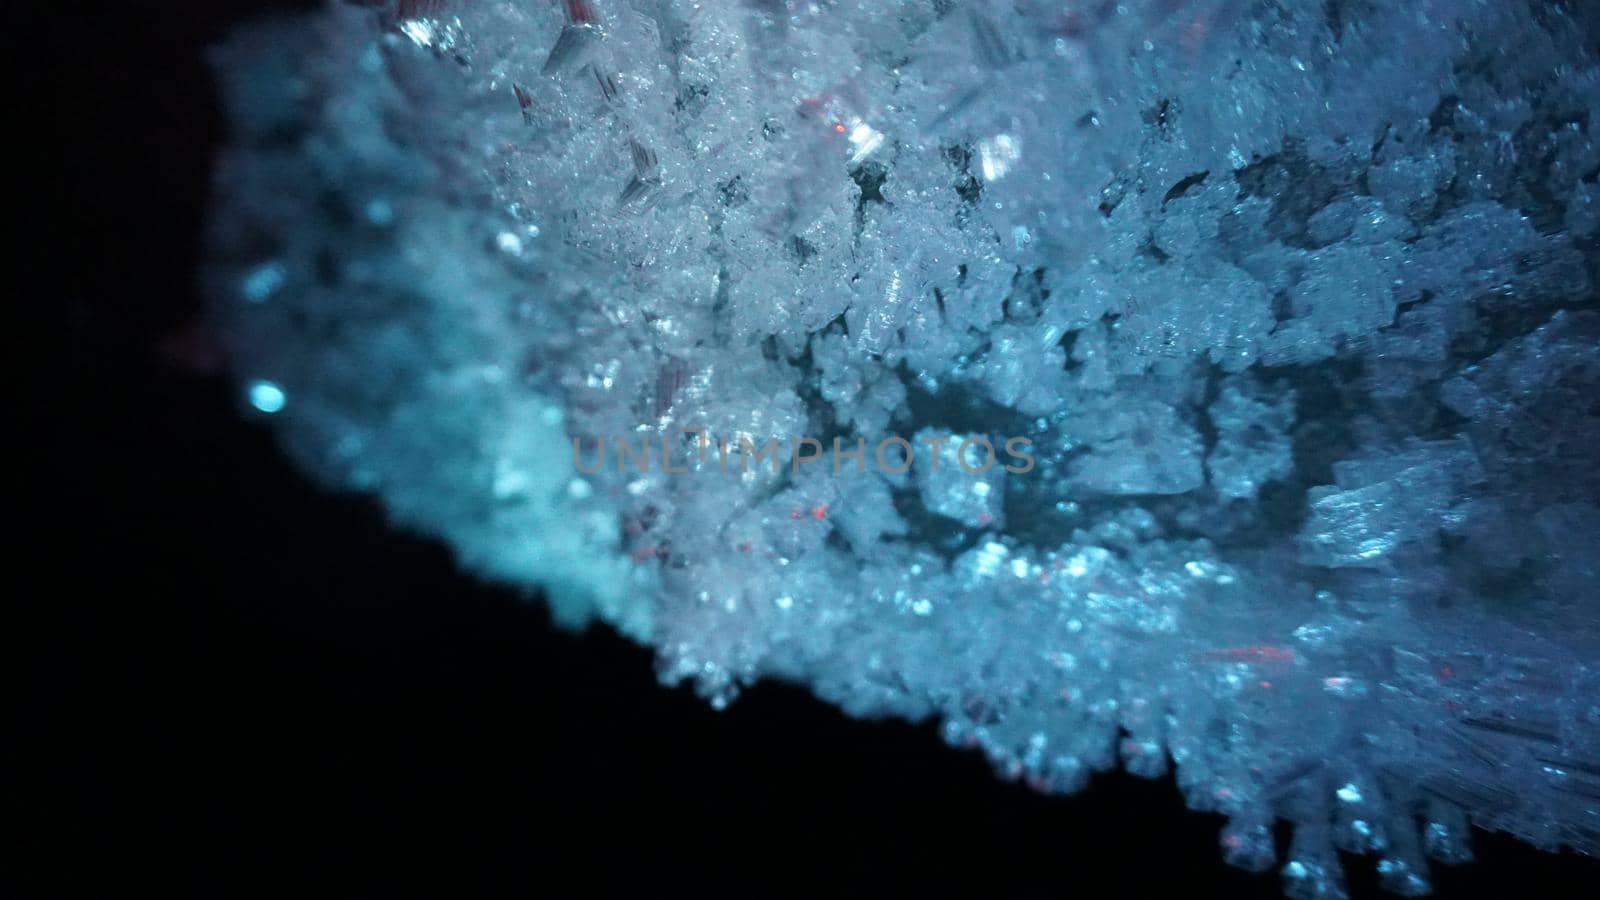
point(419, 30)
point(509, 243)
point(267, 397)
point(263, 281)
point(996, 155)
point(1349, 794)
point(990, 556)
point(865, 139)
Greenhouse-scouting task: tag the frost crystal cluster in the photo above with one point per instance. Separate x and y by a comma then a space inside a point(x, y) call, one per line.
point(1291, 302)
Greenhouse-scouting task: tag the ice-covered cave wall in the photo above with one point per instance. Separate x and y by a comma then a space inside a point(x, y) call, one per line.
point(1293, 304)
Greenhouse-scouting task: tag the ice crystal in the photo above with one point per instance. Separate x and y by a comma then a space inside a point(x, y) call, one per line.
point(1289, 306)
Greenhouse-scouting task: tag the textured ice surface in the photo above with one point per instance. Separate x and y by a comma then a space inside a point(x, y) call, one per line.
point(1294, 303)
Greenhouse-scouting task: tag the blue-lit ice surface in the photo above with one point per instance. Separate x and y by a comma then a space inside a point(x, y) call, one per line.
point(1295, 301)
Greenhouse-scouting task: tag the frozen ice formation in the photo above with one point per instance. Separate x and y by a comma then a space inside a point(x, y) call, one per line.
point(1256, 343)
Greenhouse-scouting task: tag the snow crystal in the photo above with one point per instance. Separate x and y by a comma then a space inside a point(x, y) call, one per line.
point(1291, 306)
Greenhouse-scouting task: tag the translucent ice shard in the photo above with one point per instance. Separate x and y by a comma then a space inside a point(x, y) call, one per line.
point(1276, 322)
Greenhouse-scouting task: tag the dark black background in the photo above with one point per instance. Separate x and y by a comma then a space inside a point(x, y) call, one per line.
point(252, 684)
